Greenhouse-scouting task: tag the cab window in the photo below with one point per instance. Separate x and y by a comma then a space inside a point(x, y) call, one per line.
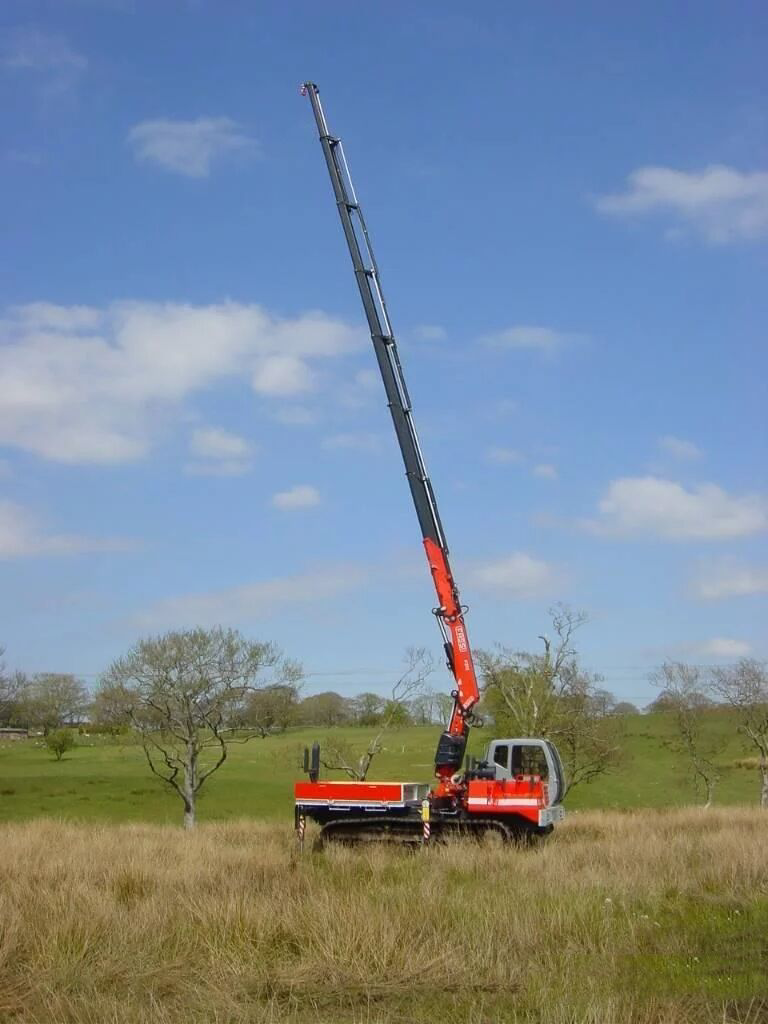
point(529, 760)
point(501, 755)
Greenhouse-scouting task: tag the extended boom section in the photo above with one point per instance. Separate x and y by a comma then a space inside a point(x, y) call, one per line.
point(449, 611)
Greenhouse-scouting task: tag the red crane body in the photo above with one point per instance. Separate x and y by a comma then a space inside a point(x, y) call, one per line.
point(458, 798)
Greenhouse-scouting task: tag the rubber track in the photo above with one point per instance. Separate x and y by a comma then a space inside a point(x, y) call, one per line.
point(408, 831)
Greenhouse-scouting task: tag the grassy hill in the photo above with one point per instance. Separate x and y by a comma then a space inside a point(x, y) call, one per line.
point(108, 781)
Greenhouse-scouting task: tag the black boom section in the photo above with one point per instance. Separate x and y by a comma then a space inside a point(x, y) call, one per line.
point(385, 347)
point(450, 750)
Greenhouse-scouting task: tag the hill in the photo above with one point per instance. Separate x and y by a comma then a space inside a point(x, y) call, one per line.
point(107, 780)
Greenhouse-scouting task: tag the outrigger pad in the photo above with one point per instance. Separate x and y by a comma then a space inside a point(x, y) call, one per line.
point(450, 751)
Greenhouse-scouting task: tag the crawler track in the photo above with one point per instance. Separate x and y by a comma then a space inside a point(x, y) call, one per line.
point(408, 831)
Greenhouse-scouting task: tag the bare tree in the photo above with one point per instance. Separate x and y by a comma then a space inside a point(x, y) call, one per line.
point(272, 709)
point(683, 688)
point(184, 693)
point(50, 700)
point(549, 695)
point(745, 687)
point(527, 689)
point(11, 688)
point(340, 757)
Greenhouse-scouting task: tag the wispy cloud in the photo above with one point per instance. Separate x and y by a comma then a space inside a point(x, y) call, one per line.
point(84, 384)
point(679, 448)
point(252, 601)
point(299, 496)
point(22, 535)
point(650, 506)
point(541, 339)
point(545, 471)
point(517, 575)
point(50, 58)
point(219, 453)
point(283, 376)
point(719, 203)
point(728, 578)
point(726, 647)
point(189, 148)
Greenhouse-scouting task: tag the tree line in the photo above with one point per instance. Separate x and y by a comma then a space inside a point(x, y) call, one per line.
point(188, 695)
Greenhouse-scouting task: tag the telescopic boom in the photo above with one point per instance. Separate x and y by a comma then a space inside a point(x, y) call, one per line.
point(449, 611)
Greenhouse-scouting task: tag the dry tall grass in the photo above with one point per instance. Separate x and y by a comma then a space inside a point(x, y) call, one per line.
point(649, 918)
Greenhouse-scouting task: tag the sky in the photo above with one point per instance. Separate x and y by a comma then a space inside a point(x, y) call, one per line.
point(569, 208)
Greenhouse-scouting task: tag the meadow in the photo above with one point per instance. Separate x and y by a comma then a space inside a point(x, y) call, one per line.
point(650, 917)
point(105, 780)
point(644, 911)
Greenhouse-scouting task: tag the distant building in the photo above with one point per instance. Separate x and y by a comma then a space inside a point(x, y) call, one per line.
point(6, 733)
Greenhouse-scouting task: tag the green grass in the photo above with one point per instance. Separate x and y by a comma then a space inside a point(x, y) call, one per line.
point(107, 781)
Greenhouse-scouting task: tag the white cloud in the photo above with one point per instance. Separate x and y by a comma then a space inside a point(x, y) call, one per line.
point(730, 579)
point(430, 332)
point(300, 496)
point(48, 56)
point(188, 147)
point(93, 385)
point(545, 470)
point(220, 453)
point(719, 203)
point(679, 448)
point(726, 647)
point(254, 601)
point(515, 575)
point(215, 443)
point(543, 339)
point(21, 535)
point(665, 509)
point(503, 456)
point(282, 376)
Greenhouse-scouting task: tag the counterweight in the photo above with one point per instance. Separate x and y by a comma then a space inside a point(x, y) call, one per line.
point(449, 611)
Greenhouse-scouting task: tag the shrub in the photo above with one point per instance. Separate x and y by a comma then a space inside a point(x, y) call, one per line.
point(59, 742)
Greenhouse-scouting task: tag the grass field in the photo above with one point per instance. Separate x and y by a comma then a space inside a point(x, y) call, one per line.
point(103, 780)
point(644, 918)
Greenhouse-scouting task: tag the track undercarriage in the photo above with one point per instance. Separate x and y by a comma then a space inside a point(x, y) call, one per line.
point(409, 830)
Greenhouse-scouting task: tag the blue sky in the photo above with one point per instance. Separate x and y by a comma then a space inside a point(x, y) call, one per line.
point(569, 205)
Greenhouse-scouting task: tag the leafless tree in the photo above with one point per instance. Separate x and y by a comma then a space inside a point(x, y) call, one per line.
point(184, 692)
point(340, 757)
point(549, 695)
point(530, 687)
point(745, 687)
point(50, 700)
point(11, 688)
point(684, 690)
point(272, 709)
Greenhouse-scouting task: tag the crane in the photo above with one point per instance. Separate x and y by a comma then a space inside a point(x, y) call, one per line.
point(517, 787)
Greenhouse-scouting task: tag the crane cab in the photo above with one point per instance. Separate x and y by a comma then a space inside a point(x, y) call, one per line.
point(525, 758)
